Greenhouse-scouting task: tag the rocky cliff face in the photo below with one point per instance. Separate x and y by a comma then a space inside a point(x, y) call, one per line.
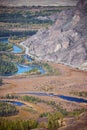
point(64, 42)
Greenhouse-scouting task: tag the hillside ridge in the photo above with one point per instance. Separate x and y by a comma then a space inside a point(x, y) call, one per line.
point(37, 2)
point(65, 41)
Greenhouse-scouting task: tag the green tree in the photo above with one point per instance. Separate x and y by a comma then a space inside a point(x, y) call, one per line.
point(53, 120)
point(1, 81)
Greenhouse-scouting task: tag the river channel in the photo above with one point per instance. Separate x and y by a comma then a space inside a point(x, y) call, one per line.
point(17, 103)
point(68, 98)
point(23, 68)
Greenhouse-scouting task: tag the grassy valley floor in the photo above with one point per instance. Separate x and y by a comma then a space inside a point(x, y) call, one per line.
point(67, 82)
point(62, 80)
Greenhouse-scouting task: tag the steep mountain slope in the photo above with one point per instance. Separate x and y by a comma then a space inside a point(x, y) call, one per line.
point(65, 41)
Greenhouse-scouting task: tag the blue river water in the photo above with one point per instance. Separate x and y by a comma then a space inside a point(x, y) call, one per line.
point(17, 103)
point(22, 68)
point(73, 99)
point(28, 58)
point(68, 98)
point(16, 49)
point(4, 39)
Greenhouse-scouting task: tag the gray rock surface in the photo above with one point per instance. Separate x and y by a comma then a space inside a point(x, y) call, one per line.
point(64, 42)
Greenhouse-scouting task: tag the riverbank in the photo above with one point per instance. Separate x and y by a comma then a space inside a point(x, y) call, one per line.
point(17, 44)
point(69, 81)
point(25, 64)
point(27, 51)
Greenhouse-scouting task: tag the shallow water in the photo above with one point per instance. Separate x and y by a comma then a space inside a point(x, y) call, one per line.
point(68, 98)
point(73, 99)
point(22, 68)
point(4, 39)
point(17, 103)
point(28, 58)
point(16, 49)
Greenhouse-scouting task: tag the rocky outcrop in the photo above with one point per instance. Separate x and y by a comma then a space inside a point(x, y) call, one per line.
point(64, 42)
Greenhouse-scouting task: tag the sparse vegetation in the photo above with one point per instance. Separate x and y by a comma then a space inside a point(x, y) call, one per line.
point(1, 81)
point(25, 21)
point(34, 71)
point(43, 112)
point(19, 33)
point(7, 67)
point(76, 113)
point(81, 94)
point(18, 125)
point(31, 99)
point(49, 69)
point(7, 109)
point(12, 57)
point(53, 104)
point(55, 120)
point(11, 96)
point(17, 17)
point(6, 46)
point(50, 103)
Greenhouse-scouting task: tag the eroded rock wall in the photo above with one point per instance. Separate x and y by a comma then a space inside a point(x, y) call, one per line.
point(65, 41)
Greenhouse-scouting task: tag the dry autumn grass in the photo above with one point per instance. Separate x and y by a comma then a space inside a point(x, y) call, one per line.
point(67, 81)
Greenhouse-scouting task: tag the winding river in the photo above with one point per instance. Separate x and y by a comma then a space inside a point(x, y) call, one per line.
point(22, 68)
point(68, 98)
